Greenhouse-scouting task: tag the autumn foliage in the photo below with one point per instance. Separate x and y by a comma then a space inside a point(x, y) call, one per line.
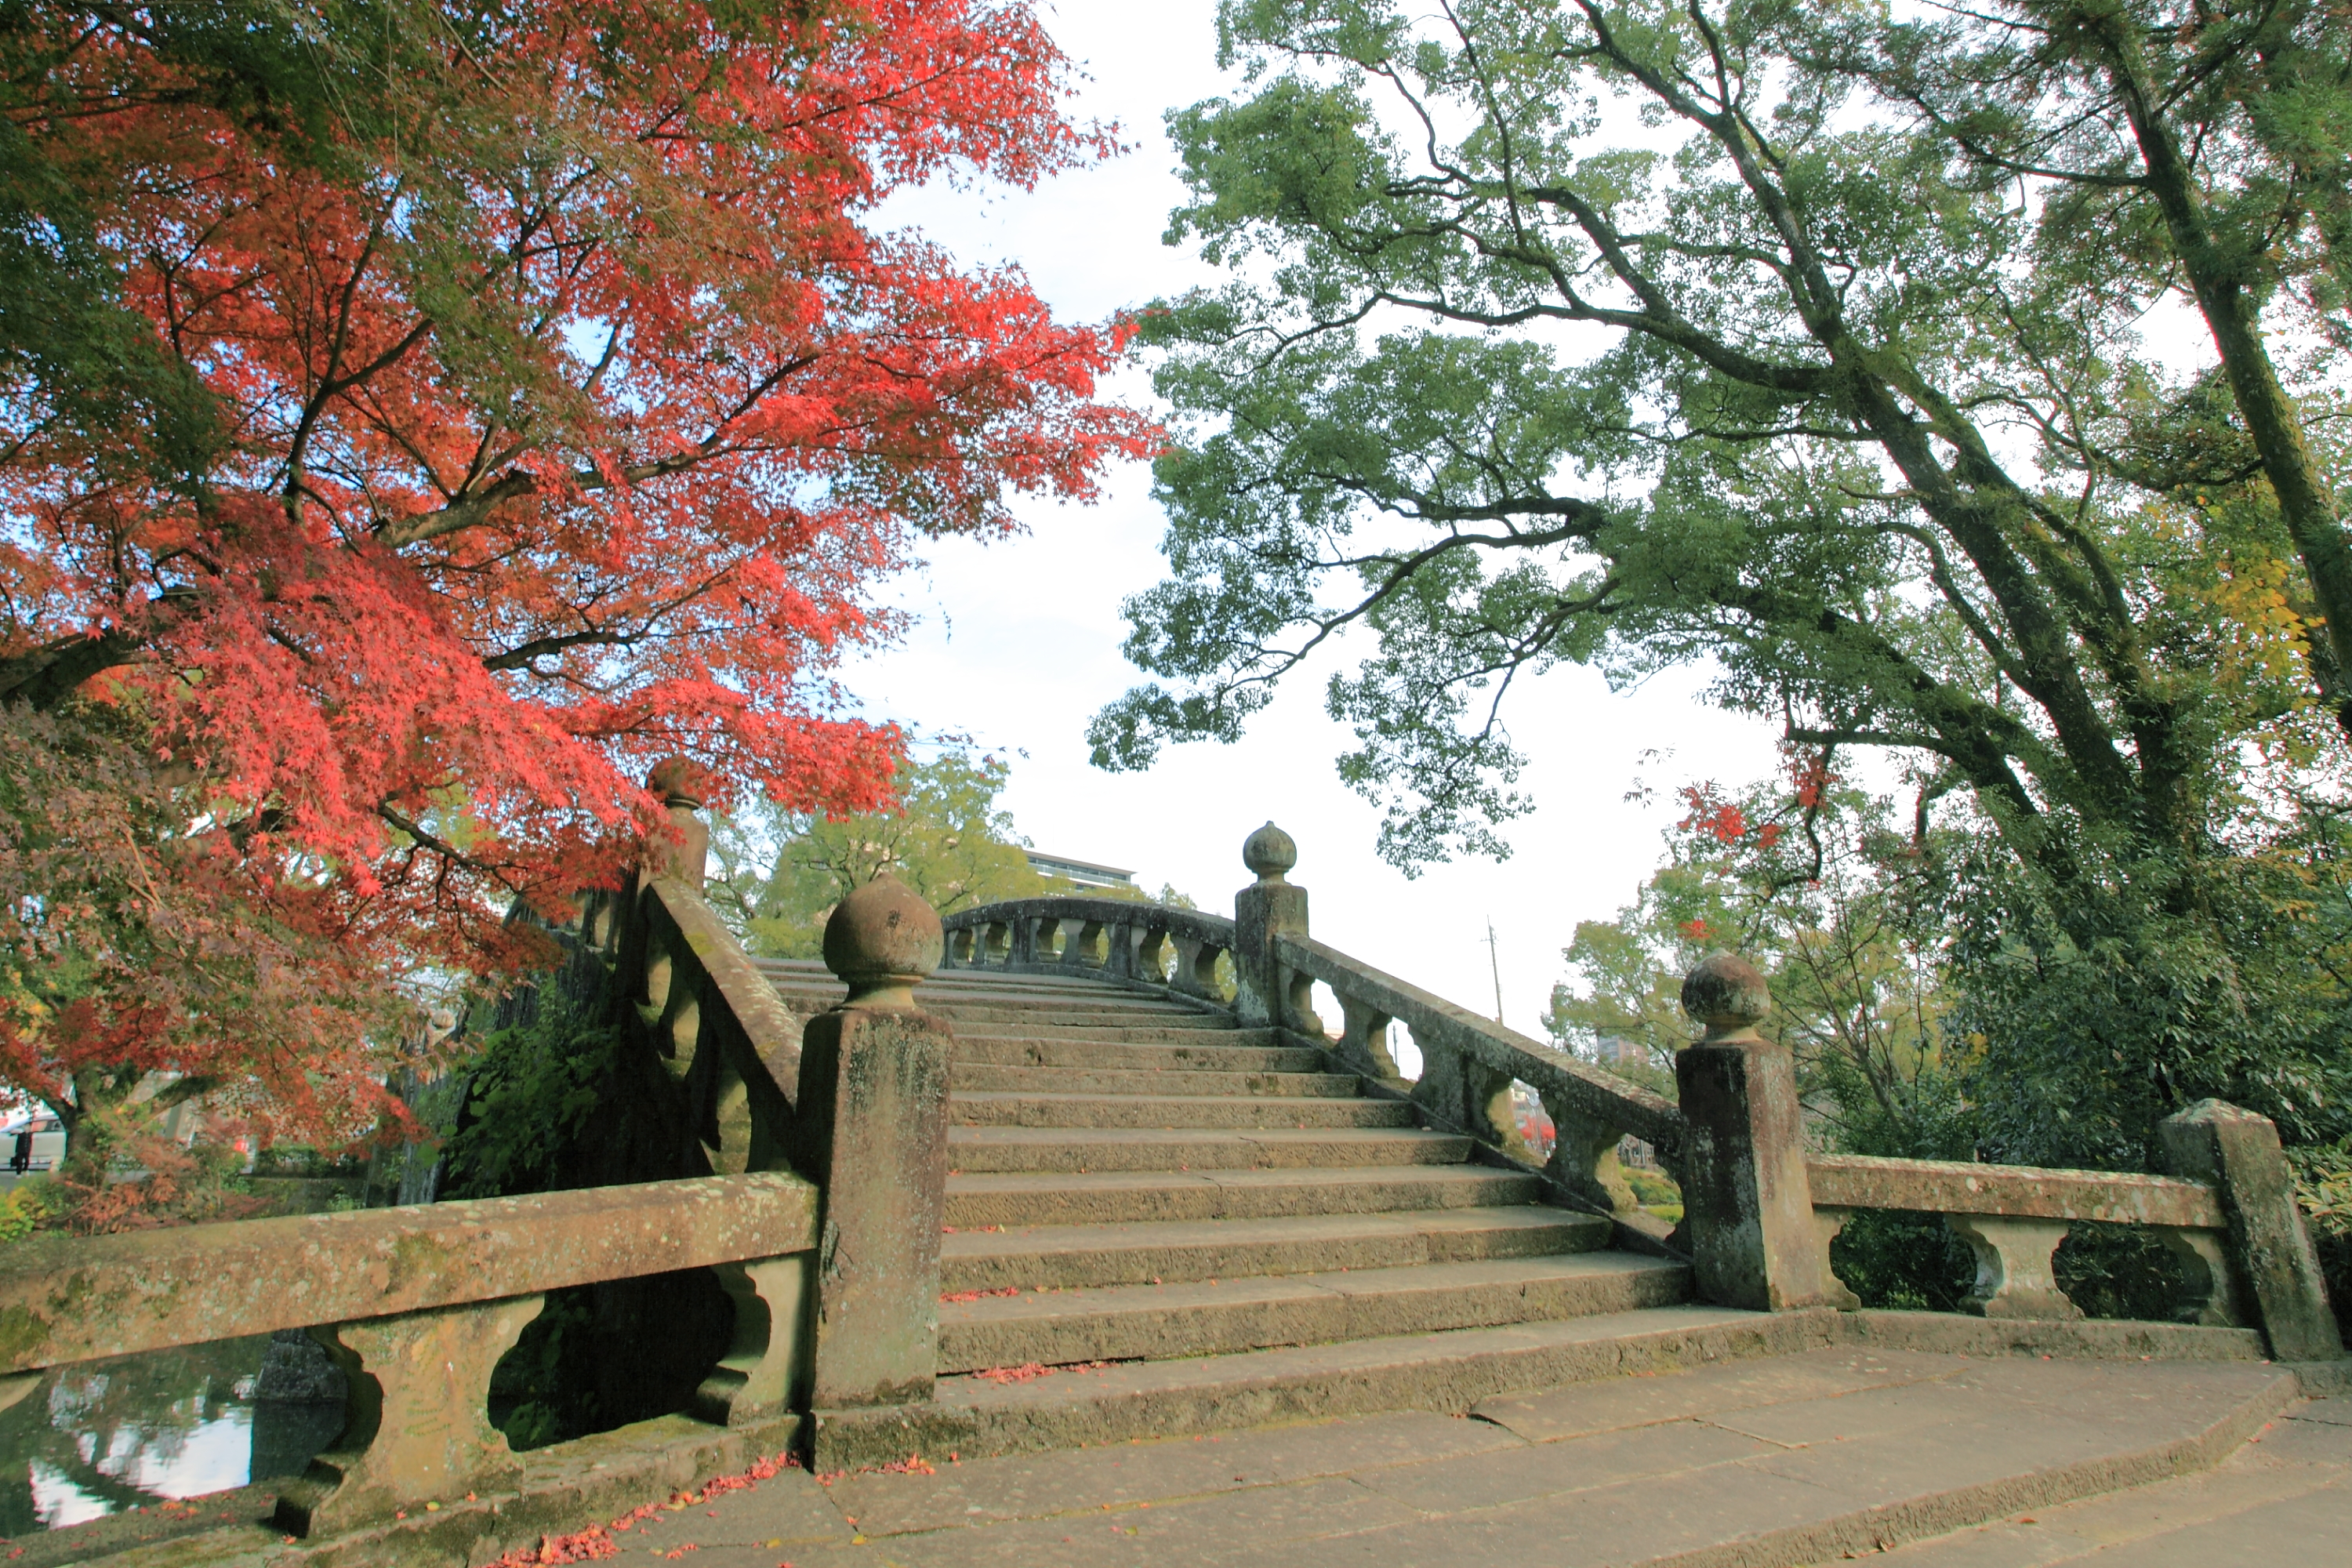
point(419, 418)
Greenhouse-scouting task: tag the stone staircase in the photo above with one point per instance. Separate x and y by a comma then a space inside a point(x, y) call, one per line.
point(1159, 1220)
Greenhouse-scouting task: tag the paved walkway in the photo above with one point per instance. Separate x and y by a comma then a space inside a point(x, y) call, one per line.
point(1791, 1460)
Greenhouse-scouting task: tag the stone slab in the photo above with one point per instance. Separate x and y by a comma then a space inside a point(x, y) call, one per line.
point(1678, 1395)
point(2284, 1499)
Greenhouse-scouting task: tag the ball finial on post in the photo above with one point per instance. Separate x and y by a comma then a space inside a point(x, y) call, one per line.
point(1269, 852)
point(680, 781)
point(883, 940)
point(684, 787)
point(1728, 994)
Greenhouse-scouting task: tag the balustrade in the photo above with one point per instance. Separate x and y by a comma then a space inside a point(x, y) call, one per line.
point(1760, 1216)
point(1151, 945)
point(417, 1305)
point(2013, 1218)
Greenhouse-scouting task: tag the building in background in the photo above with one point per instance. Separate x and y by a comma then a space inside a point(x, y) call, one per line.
point(1085, 873)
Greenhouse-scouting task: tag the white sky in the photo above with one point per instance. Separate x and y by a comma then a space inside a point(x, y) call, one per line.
point(1017, 642)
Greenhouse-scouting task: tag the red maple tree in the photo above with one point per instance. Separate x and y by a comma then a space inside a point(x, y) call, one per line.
point(510, 395)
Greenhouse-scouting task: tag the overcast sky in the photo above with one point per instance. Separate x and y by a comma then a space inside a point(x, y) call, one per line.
point(1017, 642)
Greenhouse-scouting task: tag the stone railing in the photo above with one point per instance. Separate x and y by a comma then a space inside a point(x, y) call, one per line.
point(1759, 1213)
point(854, 1100)
point(2014, 1216)
point(1110, 938)
point(1762, 1215)
point(1468, 1063)
point(417, 1305)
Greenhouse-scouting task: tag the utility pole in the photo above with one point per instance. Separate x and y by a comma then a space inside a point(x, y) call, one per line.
point(1495, 965)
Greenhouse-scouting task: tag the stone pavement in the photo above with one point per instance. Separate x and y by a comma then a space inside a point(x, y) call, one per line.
point(2284, 1501)
point(1789, 1460)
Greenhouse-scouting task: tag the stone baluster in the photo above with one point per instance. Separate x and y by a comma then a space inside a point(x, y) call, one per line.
point(416, 1425)
point(1264, 992)
point(1150, 956)
point(1196, 968)
point(2238, 1153)
point(1746, 1201)
point(1364, 1041)
point(870, 1129)
point(1460, 1090)
point(2209, 1293)
point(765, 1371)
point(1584, 1155)
point(2013, 1274)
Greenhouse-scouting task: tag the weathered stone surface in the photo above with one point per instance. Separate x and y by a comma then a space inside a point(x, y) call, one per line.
point(1452, 1371)
point(1747, 1211)
point(683, 785)
point(2013, 1278)
point(872, 1129)
point(73, 1299)
point(2238, 1153)
point(883, 940)
point(1958, 1186)
point(417, 1426)
point(1269, 907)
point(728, 1037)
point(1121, 1324)
point(764, 1375)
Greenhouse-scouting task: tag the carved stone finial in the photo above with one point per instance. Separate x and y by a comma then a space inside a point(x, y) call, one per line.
point(1727, 995)
point(680, 781)
point(1269, 852)
point(883, 940)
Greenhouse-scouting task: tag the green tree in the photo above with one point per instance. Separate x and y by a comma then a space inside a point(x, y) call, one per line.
point(2208, 141)
point(1810, 880)
point(1647, 334)
point(779, 873)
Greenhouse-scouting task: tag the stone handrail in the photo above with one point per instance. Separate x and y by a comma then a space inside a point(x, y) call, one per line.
point(417, 1305)
point(2014, 1216)
point(855, 1101)
point(1114, 939)
point(1759, 1213)
point(1468, 1062)
point(1467, 1065)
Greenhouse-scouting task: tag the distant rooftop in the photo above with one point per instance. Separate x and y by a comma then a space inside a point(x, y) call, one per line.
point(1085, 873)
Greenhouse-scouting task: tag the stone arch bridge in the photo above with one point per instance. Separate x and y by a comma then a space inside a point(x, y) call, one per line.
point(1042, 1183)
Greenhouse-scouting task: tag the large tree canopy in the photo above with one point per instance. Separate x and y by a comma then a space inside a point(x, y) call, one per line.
point(1791, 337)
point(1961, 384)
point(418, 417)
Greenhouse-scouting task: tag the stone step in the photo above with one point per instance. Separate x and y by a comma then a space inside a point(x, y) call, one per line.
point(1029, 1257)
point(1114, 1197)
point(1161, 1322)
point(1001, 1078)
point(996, 1014)
point(1449, 1373)
point(1819, 1457)
point(1025, 1026)
point(1085, 1149)
point(1170, 1112)
point(1012, 1050)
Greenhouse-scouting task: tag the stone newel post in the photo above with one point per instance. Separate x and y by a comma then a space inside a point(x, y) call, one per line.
point(1268, 908)
point(679, 782)
point(1746, 1202)
point(2238, 1152)
point(870, 1128)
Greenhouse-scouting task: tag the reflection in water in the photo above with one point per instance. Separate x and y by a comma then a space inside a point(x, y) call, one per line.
point(106, 1436)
